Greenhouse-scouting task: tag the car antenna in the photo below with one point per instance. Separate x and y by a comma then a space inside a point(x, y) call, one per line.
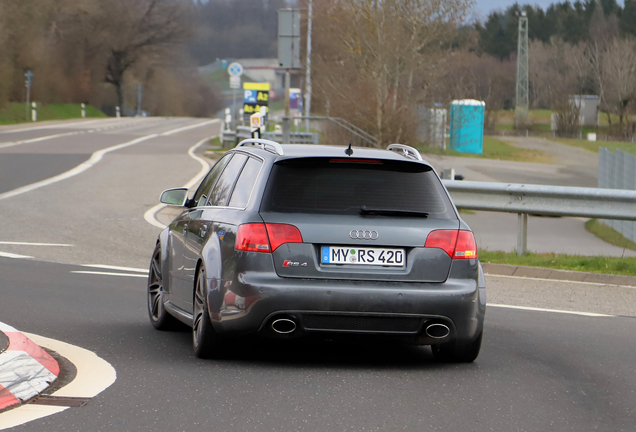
point(349, 150)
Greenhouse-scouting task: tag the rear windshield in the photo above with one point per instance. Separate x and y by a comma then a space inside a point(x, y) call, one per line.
point(331, 186)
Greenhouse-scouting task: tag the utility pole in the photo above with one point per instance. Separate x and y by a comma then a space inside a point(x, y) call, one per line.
point(522, 102)
point(308, 73)
point(140, 90)
point(287, 119)
point(288, 56)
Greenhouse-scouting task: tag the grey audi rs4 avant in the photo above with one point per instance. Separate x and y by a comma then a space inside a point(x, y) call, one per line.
point(287, 241)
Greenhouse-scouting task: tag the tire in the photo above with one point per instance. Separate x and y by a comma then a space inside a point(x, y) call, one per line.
point(205, 341)
point(458, 353)
point(159, 317)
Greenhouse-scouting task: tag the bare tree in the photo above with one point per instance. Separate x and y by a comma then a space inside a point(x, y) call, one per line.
point(618, 79)
point(137, 30)
point(374, 58)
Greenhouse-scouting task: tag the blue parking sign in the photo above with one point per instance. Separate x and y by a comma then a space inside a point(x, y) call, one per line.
point(249, 96)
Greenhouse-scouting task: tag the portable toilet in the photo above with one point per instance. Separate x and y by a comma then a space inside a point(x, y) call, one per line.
point(467, 126)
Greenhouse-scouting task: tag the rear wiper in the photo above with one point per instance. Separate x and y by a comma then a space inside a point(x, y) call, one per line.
point(367, 211)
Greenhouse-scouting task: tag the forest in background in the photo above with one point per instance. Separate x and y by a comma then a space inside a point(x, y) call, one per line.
point(97, 52)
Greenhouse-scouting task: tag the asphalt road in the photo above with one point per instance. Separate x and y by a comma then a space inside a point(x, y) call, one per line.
point(538, 371)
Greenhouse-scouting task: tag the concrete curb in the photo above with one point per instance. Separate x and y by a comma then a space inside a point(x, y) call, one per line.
point(26, 370)
point(568, 275)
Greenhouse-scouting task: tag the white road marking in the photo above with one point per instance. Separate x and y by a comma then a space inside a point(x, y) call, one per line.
point(150, 215)
point(109, 274)
point(34, 244)
point(48, 137)
point(560, 280)
point(94, 375)
point(44, 138)
point(110, 267)
point(189, 127)
point(95, 157)
point(55, 126)
point(589, 314)
point(12, 255)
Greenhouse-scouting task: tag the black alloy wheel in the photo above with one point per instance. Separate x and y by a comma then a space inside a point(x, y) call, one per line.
point(159, 317)
point(453, 352)
point(205, 340)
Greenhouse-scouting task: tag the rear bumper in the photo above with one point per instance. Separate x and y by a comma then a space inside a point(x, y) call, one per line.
point(249, 304)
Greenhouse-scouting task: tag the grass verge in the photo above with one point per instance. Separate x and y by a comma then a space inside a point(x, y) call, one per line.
point(495, 149)
point(593, 146)
point(15, 112)
point(609, 235)
point(598, 264)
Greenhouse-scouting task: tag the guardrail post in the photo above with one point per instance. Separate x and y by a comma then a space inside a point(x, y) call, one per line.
point(522, 234)
point(286, 130)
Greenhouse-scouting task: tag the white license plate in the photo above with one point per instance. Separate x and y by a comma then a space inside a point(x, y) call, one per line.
point(362, 256)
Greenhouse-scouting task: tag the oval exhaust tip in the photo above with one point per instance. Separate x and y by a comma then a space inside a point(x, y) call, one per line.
point(283, 326)
point(437, 331)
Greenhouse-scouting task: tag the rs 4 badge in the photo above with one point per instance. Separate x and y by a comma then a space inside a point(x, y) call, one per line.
point(288, 263)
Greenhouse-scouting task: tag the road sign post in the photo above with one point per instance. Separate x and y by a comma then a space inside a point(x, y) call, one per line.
point(288, 55)
point(29, 84)
point(256, 123)
point(235, 70)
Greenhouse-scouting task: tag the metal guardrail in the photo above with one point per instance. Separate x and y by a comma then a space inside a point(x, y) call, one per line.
point(365, 137)
point(525, 199)
point(230, 138)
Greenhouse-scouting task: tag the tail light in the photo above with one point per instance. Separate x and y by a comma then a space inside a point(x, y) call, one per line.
point(259, 237)
point(457, 244)
point(252, 238)
point(281, 233)
point(466, 247)
point(443, 239)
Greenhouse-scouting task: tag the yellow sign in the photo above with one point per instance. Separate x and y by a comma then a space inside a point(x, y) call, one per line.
point(255, 97)
point(256, 86)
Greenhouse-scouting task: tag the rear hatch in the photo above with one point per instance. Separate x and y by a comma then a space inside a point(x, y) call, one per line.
point(360, 219)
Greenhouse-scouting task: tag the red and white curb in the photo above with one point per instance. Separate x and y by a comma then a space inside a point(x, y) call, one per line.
point(25, 369)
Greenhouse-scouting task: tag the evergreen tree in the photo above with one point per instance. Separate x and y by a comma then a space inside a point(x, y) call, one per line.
point(628, 18)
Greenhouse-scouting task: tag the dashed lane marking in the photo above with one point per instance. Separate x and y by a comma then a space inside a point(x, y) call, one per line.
point(34, 244)
point(111, 267)
point(109, 273)
point(588, 314)
point(150, 215)
point(16, 256)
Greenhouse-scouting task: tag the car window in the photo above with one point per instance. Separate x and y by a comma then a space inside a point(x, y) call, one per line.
point(203, 192)
point(328, 186)
point(221, 192)
point(245, 183)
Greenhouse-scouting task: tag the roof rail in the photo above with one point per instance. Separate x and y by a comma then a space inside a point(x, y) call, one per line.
point(264, 144)
point(405, 151)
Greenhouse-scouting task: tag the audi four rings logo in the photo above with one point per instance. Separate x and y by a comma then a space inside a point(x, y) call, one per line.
point(363, 235)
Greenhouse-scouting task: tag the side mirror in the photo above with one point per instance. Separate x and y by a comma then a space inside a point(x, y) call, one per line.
point(175, 197)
